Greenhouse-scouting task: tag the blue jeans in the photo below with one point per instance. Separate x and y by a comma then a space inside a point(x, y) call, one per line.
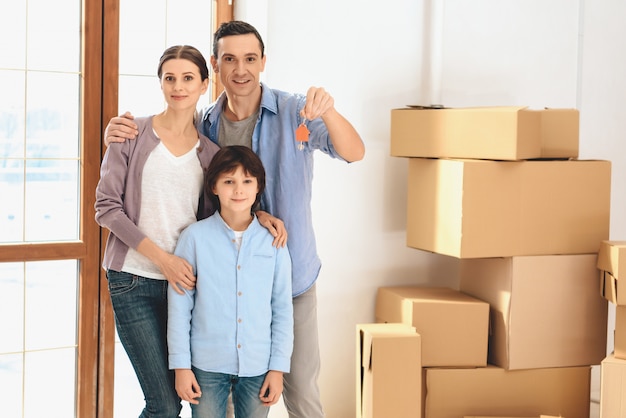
point(140, 307)
point(215, 388)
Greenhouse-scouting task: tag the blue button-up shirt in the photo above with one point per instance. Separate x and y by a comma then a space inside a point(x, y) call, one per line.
point(289, 172)
point(239, 318)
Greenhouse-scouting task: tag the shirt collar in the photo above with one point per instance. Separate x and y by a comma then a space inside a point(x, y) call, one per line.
point(269, 101)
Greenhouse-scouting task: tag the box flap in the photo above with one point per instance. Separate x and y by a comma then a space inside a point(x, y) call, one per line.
point(608, 287)
point(610, 255)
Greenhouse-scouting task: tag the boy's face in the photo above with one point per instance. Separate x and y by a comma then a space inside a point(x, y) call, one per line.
point(239, 64)
point(236, 191)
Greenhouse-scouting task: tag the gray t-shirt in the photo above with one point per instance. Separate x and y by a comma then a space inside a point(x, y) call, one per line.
point(238, 132)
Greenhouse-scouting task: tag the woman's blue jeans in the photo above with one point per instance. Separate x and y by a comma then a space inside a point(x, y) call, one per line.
point(140, 307)
point(215, 388)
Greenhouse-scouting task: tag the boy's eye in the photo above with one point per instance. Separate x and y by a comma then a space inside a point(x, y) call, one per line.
point(251, 59)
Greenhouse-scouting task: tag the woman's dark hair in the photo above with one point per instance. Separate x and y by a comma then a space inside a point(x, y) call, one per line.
point(236, 27)
point(184, 52)
point(226, 160)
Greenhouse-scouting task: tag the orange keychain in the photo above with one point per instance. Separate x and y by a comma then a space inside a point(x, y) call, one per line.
point(302, 135)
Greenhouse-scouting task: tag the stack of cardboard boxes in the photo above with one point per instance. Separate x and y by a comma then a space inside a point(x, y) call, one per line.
point(611, 257)
point(502, 190)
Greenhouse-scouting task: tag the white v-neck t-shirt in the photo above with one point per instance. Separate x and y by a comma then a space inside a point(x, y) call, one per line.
point(170, 189)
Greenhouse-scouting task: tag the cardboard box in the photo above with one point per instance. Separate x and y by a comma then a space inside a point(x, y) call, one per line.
point(453, 393)
point(612, 387)
point(495, 133)
point(479, 208)
point(546, 311)
point(608, 289)
point(619, 340)
point(611, 255)
point(388, 371)
point(453, 326)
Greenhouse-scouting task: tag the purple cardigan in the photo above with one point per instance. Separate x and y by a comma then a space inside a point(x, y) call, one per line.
point(118, 194)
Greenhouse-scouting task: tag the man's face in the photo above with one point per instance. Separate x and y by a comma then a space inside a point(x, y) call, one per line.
point(239, 64)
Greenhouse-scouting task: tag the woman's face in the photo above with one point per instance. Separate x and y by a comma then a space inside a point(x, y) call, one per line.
point(182, 84)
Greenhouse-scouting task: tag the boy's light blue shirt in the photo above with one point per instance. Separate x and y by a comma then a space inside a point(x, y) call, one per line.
point(289, 172)
point(239, 318)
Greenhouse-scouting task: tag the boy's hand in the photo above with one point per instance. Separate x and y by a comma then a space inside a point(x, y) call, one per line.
point(187, 386)
point(272, 388)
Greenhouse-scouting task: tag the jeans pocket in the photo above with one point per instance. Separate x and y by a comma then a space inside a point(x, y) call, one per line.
point(120, 282)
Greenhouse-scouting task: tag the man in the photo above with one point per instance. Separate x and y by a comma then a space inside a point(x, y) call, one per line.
point(250, 113)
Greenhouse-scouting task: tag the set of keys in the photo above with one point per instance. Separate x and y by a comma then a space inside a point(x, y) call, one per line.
point(302, 134)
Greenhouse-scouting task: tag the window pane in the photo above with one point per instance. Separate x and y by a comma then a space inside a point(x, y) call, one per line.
point(13, 34)
point(52, 125)
point(49, 383)
point(12, 302)
point(142, 40)
point(12, 207)
point(51, 200)
point(12, 105)
point(52, 168)
point(11, 371)
point(39, 157)
point(38, 324)
point(53, 37)
point(51, 304)
point(141, 94)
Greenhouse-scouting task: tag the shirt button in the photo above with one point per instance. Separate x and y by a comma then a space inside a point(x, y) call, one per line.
point(238, 267)
point(233, 241)
point(239, 320)
point(238, 345)
point(239, 293)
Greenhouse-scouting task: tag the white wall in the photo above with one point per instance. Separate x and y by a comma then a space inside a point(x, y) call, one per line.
point(375, 56)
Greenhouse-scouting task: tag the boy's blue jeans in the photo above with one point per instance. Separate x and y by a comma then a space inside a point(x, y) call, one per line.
point(215, 388)
point(140, 307)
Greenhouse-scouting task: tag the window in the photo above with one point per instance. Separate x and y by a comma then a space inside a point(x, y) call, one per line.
point(40, 173)
point(59, 76)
